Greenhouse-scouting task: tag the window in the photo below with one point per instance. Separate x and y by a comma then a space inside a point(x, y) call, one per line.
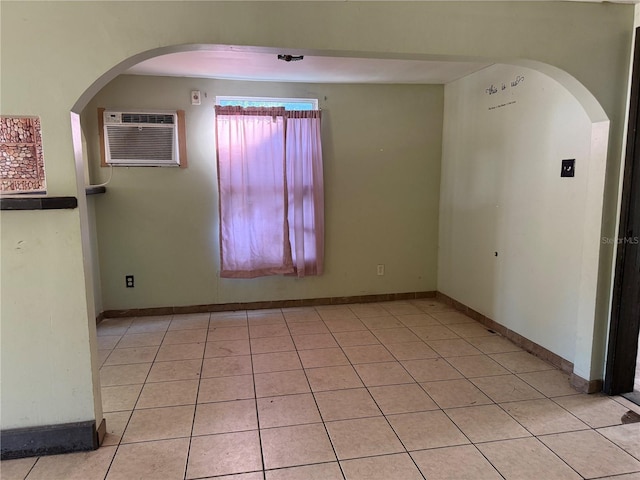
point(270, 191)
point(305, 104)
point(21, 159)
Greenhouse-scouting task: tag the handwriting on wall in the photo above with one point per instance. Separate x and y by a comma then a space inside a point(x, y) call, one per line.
point(503, 87)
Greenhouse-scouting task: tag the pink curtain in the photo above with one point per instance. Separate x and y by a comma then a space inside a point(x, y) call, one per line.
point(306, 191)
point(270, 192)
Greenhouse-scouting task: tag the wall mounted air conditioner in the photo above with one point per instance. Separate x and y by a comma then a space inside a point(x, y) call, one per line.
point(141, 138)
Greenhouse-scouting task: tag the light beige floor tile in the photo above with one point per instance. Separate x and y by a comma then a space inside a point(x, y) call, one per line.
point(521, 362)
point(431, 369)
point(225, 417)
point(526, 459)
point(486, 423)
point(281, 383)
point(338, 313)
point(116, 424)
point(222, 389)
point(73, 466)
point(224, 454)
point(387, 373)
point(320, 340)
point(477, 366)
point(434, 332)
point(182, 351)
point(287, 410)
point(422, 430)
point(218, 333)
point(150, 460)
point(402, 398)
point(149, 324)
point(628, 476)
point(400, 308)
point(493, 344)
point(122, 356)
point(270, 319)
point(590, 454)
point(240, 476)
point(378, 322)
point(363, 437)
point(346, 404)
point(123, 397)
point(552, 383)
point(296, 445)
point(308, 328)
point(231, 316)
point(108, 342)
point(626, 403)
point(159, 424)
point(272, 344)
point(323, 357)
point(336, 326)
point(16, 469)
point(364, 310)
point(456, 347)
point(226, 366)
point(506, 388)
point(594, 410)
point(333, 378)
point(542, 417)
point(301, 315)
point(455, 393)
point(368, 354)
point(185, 336)
point(395, 335)
point(385, 467)
point(471, 329)
point(411, 351)
point(455, 463)
point(227, 348)
point(102, 356)
point(175, 370)
point(417, 320)
point(432, 305)
point(276, 362)
point(451, 317)
point(269, 330)
point(320, 471)
point(227, 321)
point(112, 375)
point(168, 394)
point(192, 321)
point(350, 339)
point(132, 340)
point(626, 437)
point(113, 326)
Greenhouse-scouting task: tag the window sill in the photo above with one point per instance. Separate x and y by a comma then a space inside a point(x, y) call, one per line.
point(38, 203)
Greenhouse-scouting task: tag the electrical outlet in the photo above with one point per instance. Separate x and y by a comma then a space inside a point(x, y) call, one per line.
point(381, 269)
point(128, 280)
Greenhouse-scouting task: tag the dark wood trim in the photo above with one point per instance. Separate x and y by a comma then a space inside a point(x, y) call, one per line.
point(95, 189)
point(35, 203)
point(226, 307)
point(50, 439)
point(625, 309)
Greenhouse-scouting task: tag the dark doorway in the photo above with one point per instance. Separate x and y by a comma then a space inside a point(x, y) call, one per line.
point(625, 311)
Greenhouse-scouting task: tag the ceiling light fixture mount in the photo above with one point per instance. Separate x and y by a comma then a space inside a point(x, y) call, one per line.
point(290, 58)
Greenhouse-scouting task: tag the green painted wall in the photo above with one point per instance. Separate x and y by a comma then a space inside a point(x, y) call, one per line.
point(382, 148)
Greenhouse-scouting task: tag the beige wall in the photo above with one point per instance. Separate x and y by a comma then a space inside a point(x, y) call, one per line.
point(52, 52)
point(501, 192)
point(382, 148)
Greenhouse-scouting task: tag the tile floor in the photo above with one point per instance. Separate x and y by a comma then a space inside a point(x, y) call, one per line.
point(400, 390)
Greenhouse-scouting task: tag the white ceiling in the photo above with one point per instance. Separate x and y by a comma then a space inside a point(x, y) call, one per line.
point(243, 64)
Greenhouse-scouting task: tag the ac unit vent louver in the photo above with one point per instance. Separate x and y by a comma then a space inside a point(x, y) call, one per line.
point(140, 139)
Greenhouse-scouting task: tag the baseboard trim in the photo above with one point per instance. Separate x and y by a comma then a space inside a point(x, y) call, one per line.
point(226, 307)
point(50, 439)
point(579, 383)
